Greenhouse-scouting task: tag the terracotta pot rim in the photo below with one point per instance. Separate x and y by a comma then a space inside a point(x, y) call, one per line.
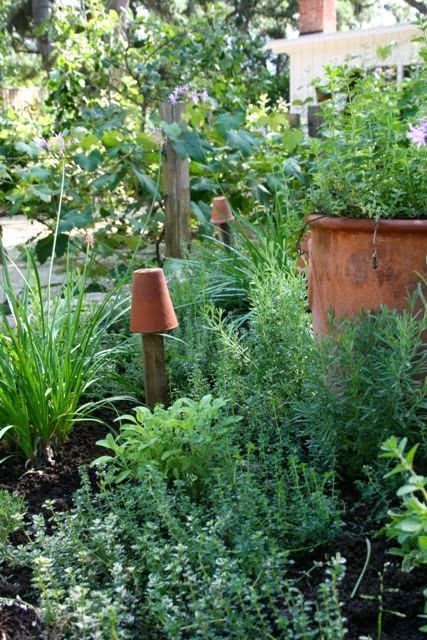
point(159, 332)
point(396, 225)
point(148, 270)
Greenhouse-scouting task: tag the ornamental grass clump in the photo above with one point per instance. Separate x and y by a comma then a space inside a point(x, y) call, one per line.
point(50, 355)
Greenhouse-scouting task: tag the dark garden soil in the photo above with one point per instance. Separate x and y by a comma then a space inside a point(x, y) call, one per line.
point(401, 592)
point(56, 483)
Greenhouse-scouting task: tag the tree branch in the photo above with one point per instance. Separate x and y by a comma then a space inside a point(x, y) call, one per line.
point(418, 5)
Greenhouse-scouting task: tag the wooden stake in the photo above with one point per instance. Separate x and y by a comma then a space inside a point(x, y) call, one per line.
point(225, 233)
point(156, 382)
point(176, 188)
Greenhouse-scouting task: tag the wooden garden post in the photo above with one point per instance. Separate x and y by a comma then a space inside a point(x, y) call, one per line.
point(176, 189)
point(221, 216)
point(152, 313)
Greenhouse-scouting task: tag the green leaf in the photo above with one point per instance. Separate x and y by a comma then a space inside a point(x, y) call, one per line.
point(111, 138)
point(104, 181)
point(88, 142)
point(422, 541)
point(146, 142)
point(42, 191)
point(190, 146)
point(408, 526)
point(291, 139)
point(201, 217)
point(228, 121)
point(123, 475)
point(5, 430)
point(40, 173)
point(407, 488)
point(45, 245)
point(101, 460)
point(410, 455)
point(23, 147)
point(242, 140)
point(75, 219)
point(203, 184)
point(146, 182)
point(171, 131)
point(89, 162)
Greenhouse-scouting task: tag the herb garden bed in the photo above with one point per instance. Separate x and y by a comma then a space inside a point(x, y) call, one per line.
point(402, 591)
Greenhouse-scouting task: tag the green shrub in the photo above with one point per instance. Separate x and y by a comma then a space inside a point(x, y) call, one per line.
point(365, 165)
point(409, 525)
point(50, 356)
point(362, 385)
point(184, 442)
point(258, 363)
point(283, 497)
point(12, 513)
point(142, 561)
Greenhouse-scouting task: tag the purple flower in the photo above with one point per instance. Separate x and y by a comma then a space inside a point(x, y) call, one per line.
point(185, 91)
point(262, 131)
point(418, 134)
point(41, 143)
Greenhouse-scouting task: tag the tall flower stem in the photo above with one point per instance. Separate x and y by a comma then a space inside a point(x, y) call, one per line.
point(55, 236)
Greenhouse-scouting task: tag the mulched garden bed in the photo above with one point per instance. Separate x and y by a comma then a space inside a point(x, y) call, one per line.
point(402, 592)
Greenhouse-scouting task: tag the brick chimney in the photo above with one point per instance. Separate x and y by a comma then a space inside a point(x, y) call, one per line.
point(317, 16)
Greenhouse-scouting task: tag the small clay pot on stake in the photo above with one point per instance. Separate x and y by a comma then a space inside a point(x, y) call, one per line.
point(221, 216)
point(152, 313)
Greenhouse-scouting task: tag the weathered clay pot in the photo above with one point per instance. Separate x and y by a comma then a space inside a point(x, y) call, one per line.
point(303, 245)
point(359, 264)
point(221, 211)
point(152, 309)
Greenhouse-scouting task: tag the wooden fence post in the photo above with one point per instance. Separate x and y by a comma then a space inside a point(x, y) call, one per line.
point(315, 120)
point(176, 189)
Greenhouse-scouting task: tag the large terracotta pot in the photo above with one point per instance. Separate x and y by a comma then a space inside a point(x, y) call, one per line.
point(360, 264)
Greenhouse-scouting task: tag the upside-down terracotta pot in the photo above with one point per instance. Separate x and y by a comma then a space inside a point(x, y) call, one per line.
point(360, 264)
point(151, 309)
point(221, 211)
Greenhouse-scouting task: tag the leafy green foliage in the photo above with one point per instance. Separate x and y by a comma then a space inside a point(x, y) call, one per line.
point(184, 442)
point(409, 525)
point(262, 355)
point(12, 513)
point(105, 93)
point(365, 166)
point(140, 70)
point(141, 561)
point(363, 384)
point(50, 355)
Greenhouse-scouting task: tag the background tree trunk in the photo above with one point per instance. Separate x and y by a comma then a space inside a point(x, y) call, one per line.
point(121, 6)
point(41, 12)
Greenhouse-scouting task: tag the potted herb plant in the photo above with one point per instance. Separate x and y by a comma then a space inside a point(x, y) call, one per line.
point(368, 197)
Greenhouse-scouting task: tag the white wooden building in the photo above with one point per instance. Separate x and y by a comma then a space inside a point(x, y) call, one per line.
point(310, 52)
